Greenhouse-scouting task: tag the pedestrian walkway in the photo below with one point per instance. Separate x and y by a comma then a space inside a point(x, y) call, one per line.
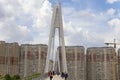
point(56, 77)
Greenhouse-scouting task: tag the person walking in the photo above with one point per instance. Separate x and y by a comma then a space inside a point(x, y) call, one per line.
point(62, 75)
point(50, 75)
point(66, 76)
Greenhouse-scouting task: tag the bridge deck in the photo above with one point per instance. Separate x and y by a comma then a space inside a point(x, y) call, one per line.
point(56, 77)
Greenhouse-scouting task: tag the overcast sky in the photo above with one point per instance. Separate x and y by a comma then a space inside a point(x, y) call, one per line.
point(86, 22)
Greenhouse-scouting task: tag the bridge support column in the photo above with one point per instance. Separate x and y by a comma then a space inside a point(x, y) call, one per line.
point(56, 24)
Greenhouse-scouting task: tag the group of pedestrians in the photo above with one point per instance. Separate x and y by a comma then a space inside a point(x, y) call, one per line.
point(64, 75)
point(52, 73)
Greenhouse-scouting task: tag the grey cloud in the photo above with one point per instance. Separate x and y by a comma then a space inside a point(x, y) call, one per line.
point(1, 12)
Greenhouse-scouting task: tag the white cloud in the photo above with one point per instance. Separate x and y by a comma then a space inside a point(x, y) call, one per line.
point(115, 24)
point(10, 31)
point(112, 1)
point(87, 27)
point(111, 11)
point(42, 17)
point(20, 20)
point(29, 21)
point(114, 34)
point(80, 26)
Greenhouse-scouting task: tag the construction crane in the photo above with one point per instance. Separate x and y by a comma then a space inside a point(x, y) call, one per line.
point(114, 43)
point(115, 58)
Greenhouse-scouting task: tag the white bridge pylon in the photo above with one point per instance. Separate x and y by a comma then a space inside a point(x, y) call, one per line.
point(56, 23)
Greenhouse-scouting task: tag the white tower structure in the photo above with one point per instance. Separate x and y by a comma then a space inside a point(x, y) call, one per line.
point(56, 23)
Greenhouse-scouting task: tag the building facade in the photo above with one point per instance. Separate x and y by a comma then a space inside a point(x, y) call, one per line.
point(100, 63)
point(75, 56)
point(32, 59)
point(27, 59)
point(118, 64)
point(9, 58)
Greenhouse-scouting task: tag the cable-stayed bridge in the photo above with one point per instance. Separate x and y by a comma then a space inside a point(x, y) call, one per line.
point(60, 64)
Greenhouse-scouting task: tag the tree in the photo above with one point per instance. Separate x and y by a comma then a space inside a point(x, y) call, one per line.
point(7, 77)
point(16, 77)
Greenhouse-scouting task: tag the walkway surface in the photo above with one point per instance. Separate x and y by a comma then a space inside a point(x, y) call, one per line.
point(56, 77)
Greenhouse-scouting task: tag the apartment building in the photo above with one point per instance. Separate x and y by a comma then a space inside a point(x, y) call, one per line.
point(75, 56)
point(100, 63)
point(32, 59)
point(118, 64)
point(9, 58)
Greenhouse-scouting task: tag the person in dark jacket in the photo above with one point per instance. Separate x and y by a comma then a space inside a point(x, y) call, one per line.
point(51, 76)
point(66, 76)
point(62, 75)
